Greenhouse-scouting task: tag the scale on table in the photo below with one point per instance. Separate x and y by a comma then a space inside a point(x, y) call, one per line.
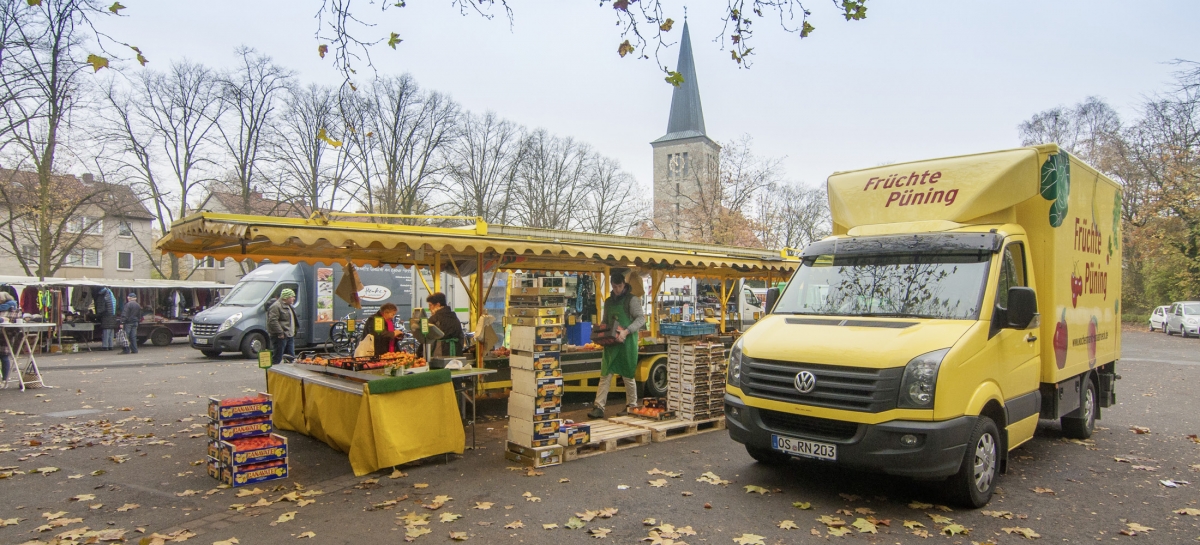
point(425, 333)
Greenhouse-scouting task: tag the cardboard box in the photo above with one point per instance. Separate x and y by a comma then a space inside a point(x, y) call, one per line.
point(238, 429)
point(525, 292)
point(525, 432)
point(215, 467)
point(551, 455)
point(236, 476)
point(519, 321)
point(259, 407)
point(526, 338)
point(574, 434)
point(235, 453)
point(525, 383)
point(534, 312)
point(545, 361)
point(522, 405)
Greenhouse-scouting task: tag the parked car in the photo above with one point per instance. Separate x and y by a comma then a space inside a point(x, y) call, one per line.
point(1158, 318)
point(1184, 318)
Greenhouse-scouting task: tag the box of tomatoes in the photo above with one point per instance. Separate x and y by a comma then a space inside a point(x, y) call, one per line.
point(238, 429)
point(253, 450)
point(221, 410)
point(254, 473)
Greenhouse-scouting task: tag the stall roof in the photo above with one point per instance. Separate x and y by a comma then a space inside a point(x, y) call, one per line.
point(321, 239)
point(134, 284)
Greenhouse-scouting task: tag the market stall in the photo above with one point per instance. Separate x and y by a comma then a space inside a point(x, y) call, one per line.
point(167, 306)
point(478, 255)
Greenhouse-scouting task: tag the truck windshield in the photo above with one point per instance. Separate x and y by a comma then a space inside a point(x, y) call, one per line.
point(247, 293)
point(920, 285)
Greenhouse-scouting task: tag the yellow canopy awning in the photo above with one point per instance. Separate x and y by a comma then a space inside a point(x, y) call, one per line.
point(322, 240)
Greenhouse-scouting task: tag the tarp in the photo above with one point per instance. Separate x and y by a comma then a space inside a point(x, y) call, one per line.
point(322, 240)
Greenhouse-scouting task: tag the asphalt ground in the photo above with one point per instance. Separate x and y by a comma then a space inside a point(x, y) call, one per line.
point(147, 411)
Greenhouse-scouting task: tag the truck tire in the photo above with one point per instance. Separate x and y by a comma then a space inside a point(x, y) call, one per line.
point(767, 456)
point(253, 343)
point(656, 380)
point(161, 337)
point(1082, 424)
point(976, 479)
point(210, 353)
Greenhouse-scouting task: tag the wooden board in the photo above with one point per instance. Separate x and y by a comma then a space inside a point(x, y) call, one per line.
point(608, 436)
point(667, 430)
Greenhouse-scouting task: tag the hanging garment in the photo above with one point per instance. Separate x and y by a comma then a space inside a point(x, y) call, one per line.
point(29, 300)
point(81, 299)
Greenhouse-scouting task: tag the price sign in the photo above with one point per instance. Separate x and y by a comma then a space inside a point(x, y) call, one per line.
point(350, 325)
point(424, 326)
point(264, 359)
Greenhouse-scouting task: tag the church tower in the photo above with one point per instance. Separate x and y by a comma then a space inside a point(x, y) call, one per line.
point(685, 159)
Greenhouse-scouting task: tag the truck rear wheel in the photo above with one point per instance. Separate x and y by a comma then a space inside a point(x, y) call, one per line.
point(1083, 423)
point(161, 337)
point(767, 456)
point(975, 481)
point(656, 380)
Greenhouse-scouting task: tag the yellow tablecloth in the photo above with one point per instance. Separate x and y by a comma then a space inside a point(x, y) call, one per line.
point(376, 430)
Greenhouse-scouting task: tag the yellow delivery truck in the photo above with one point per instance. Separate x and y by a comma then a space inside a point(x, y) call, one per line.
point(959, 301)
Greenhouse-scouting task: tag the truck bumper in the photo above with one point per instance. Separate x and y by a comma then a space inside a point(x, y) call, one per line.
point(938, 452)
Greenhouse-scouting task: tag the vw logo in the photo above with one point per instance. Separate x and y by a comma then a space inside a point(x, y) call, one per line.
point(805, 382)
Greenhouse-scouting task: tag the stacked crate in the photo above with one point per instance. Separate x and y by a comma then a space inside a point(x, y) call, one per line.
point(241, 448)
point(696, 378)
point(535, 404)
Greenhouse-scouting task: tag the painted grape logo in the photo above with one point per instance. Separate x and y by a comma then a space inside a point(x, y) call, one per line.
point(1056, 185)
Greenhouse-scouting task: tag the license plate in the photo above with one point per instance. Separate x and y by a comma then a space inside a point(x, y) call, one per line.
point(201, 341)
point(807, 449)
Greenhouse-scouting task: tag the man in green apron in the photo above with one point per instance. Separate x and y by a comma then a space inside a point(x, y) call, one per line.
point(623, 314)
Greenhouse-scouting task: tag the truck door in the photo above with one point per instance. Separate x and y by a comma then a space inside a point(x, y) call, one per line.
point(1015, 352)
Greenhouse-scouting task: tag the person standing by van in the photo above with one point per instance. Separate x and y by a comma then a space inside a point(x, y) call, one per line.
point(131, 317)
point(106, 314)
point(281, 326)
point(623, 314)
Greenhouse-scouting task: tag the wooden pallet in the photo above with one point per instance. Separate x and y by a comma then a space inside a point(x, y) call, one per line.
point(608, 436)
point(667, 430)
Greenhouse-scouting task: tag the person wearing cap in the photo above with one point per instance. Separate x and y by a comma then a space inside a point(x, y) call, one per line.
point(623, 314)
point(281, 326)
point(131, 317)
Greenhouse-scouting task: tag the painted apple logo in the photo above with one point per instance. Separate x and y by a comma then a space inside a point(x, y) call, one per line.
point(1092, 326)
point(1056, 185)
point(1076, 289)
point(1060, 341)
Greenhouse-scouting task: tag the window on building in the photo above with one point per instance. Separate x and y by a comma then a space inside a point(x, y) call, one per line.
point(684, 168)
point(83, 257)
point(88, 225)
point(124, 229)
point(125, 261)
point(210, 263)
point(30, 253)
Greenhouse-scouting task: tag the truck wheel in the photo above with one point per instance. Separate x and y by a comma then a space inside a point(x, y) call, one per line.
point(161, 337)
point(656, 380)
point(767, 456)
point(975, 481)
point(1083, 424)
point(210, 353)
point(1167, 328)
point(252, 344)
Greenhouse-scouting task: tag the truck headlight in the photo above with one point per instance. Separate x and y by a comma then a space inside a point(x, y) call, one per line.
point(229, 322)
point(735, 364)
point(920, 380)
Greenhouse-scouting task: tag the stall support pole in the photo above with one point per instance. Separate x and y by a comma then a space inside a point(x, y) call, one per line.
point(479, 304)
point(724, 303)
point(656, 280)
point(437, 272)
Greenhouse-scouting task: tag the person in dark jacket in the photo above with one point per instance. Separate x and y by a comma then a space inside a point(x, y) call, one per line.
point(106, 314)
point(453, 342)
point(9, 312)
point(281, 326)
point(131, 316)
point(382, 325)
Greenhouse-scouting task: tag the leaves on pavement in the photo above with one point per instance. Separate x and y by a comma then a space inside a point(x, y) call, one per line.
point(757, 489)
point(788, 525)
point(514, 525)
point(1026, 533)
point(711, 478)
point(749, 539)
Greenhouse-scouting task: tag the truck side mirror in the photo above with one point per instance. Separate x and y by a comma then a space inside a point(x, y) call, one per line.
point(1022, 307)
point(772, 298)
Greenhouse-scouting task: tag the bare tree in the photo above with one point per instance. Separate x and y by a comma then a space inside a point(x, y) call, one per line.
point(611, 204)
point(306, 132)
point(1090, 130)
point(251, 94)
point(43, 66)
point(412, 128)
point(164, 121)
point(549, 185)
point(482, 164)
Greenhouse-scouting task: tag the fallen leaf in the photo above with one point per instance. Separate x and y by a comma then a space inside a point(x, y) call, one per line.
point(1188, 511)
point(839, 531)
point(865, 526)
point(749, 539)
point(920, 505)
point(939, 519)
point(483, 505)
point(415, 532)
point(864, 511)
point(711, 478)
point(599, 532)
point(45, 470)
point(534, 499)
point(10, 522)
point(658, 483)
point(832, 522)
point(998, 514)
point(1043, 490)
point(187, 493)
point(1138, 527)
point(912, 524)
point(128, 507)
point(672, 474)
point(564, 480)
point(788, 525)
point(574, 523)
point(550, 526)
point(420, 485)
point(1140, 430)
point(285, 517)
point(230, 541)
point(1026, 533)
point(396, 474)
point(306, 534)
point(119, 458)
point(458, 536)
point(83, 497)
point(758, 489)
point(955, 529)
point(250, 492)
point(514, 525)
point(850, 497)
point(98, 472)
point(802, 505)
point(52, 516)
point(448, 517)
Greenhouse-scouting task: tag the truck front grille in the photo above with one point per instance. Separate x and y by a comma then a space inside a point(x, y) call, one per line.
point(807, 426)
point(837, 387)
point(204, 330)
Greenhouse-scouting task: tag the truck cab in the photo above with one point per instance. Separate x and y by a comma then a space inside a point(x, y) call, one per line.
point(958, 302)
point(239, 322)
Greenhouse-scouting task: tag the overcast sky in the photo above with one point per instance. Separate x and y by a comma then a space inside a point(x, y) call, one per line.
point(914, 80)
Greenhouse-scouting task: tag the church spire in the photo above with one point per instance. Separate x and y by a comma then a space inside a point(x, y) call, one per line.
point(687, 117)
